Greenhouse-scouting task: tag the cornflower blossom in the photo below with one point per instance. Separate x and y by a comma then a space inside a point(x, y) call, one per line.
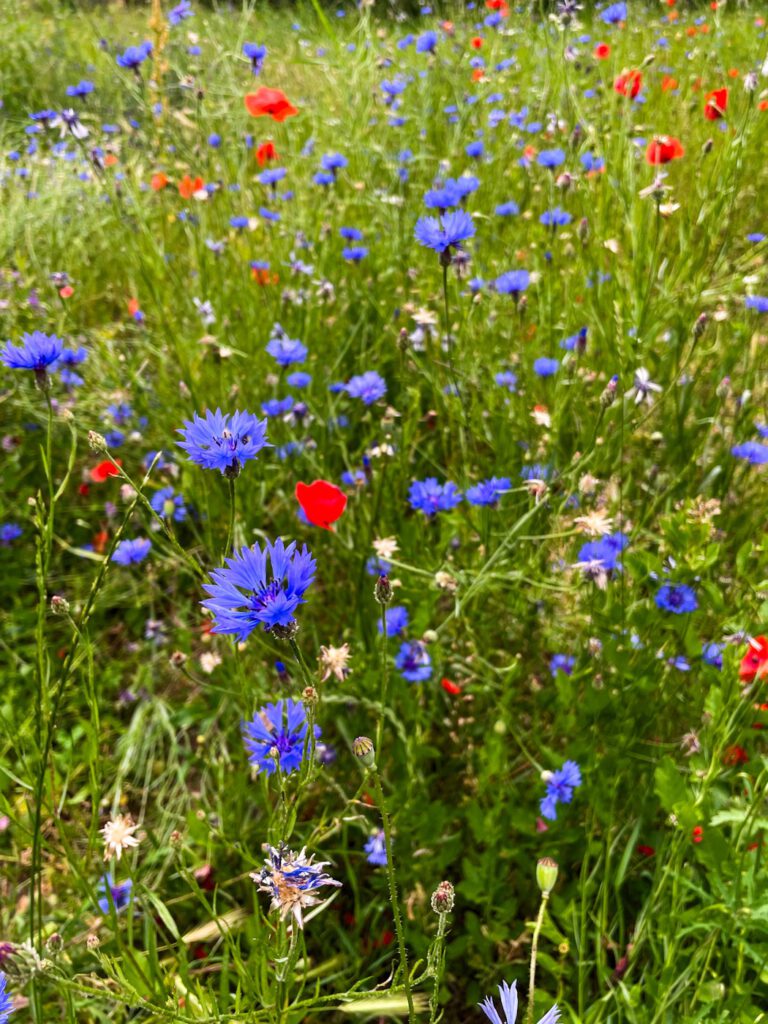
point(368, 386)
point(642, 387)
point(6, 1003)
point(560, 787)
point(168, 504)
point(508, 999)
point(37, 352)
point(223, 441)
point(334, 662)
point(292, 880)
point(119, 835)
point(446, 234)
point(430, 497)
point(120, 893)
point(256, 54)
point(414, 662)
point(131, 552)
point(276, 737)
point(376, 849)
point(676, 598)
point(488, 492)
point(244, 594)
point(397, 620)
point(134, 56)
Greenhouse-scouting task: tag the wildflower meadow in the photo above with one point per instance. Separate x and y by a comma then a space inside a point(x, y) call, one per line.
point(384, 421)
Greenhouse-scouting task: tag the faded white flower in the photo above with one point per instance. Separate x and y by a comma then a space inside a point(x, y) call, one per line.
point(385, 547)
point(643, 387)
point(333, 661)
point(119, 835)
point(292, 880)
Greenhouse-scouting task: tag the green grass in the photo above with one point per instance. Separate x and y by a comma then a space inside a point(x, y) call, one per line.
point(102, 715)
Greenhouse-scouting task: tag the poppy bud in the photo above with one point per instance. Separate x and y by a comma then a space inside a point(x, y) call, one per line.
point(443, 898)
point(546, 874)
point(383, 590)
point(364, 751)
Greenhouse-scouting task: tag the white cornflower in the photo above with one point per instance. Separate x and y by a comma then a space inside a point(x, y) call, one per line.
point(596, 523)
point(642, 387)
point(385, 547)
point(118, 836)
point(333, 661)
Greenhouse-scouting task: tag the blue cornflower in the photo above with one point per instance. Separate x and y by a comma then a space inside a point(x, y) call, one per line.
point(392, 90)
point(508, 209)
point(508, 997)
point(276, 736)
point(181, 11)
point(677, 598)
point(752, 451)
point(256, 54)
point(272, 175)
point(544, 367)
point(277, 406)
point(605, 551)
point(376, 849)
point(351, 234)
point(426, 42)
point(6, 1004)
point(292, 880)
point(397, 620)
point(299, 379)
point(9, 532)
point(223, 441)
point(131, 552)
point(756, 237)
point(443, 198)
point(550, 158)
point(72, 356)
point(712, 654)
point(757, 302)
point(488, 492)
point(368, 386)
point(430, 497)
point(593, 163)
point(506, 379)
point(119, 891)
point(512, 282)
point(83, 88)
point(354, 253)
point(561, 663)
point(377, 566)
point(333, 162)
point(474, 149)
point(245, 595)
point(414, 662)
point(286, 351)
point(615, 13)
point(36, 352)
point(560, 787)
point(323, 178)
point(555, 218)
point(169, 505)
point(456, 227)
point(134, 56)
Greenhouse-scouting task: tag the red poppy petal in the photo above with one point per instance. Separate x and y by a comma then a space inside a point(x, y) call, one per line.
point(322, 502)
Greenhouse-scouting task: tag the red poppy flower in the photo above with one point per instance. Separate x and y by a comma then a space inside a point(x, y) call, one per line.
point(478, 75)
point(188, 186)
point(498, 5)
point(100, 541)
point(602, 51)
point(110, 160)
point(716, 104)
point(266, 152)
point(476, 43)
point(83, 490)
point(263, 276)
point(322, 503)
point(735, 755)
point(754, 664)
point(663, 149)
point(645, 851)
point(158, 181)
point(133, 306)
point(697, 834)
point(447, 27)
point(449, 687)
point(762, 105)
point(66, 291)
point(269, 103)
point(104, 471)
point(667, 83)
point(629, 84)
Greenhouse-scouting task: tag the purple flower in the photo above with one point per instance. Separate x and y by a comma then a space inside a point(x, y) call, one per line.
point(131, 552)
point(134, 56)
point(9, 532)
point(676, 598)
point(169, 505)
point(256, 54)
point(752, 451)
point(244, 594)
point(397, 620)
point(276, 736)
point(120, 892)
point(223, 441)
point(376, 849)
point(488, 492)
point(508, 997)
point(36, 352)
point(512, 282)
point(544, 367)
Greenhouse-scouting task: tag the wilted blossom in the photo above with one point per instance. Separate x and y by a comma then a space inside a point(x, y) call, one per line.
point(292, 880)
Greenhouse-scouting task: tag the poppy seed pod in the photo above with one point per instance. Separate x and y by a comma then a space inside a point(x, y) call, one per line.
point(364, 751)
point(546, 874)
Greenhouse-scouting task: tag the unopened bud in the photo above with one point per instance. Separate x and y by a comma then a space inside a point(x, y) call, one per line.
point(608, 396)
point(54, 944)
point(707, 147)
point(177, 659)
point(97, 441)
point(546, 874)
point(583, 230)
point(59, 605)
point(443, 898)
point(285, 632)
point(364, 751)
point(383, 590)
point(309, 697)
point(92, 942)
point(700, 326)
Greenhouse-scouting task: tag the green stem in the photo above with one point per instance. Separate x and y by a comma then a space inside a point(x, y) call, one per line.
point(393, 897)
point(384, 679)
point(534, 952)
point(231, 530)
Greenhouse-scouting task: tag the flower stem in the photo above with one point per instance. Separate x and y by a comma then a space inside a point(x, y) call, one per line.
point(393, 897)
point(384, 679)
point(231, 530)
point(534, 952)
